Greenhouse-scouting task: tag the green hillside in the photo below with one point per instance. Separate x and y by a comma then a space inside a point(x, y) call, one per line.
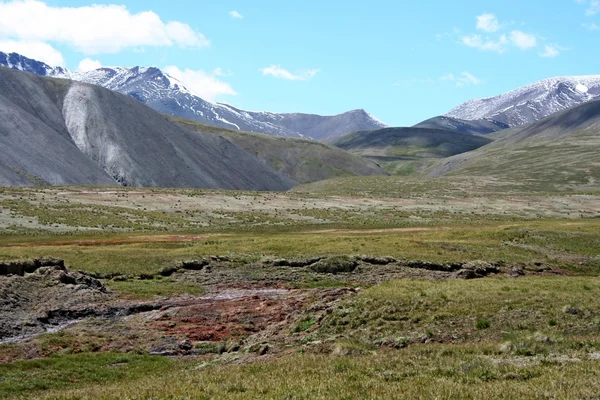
point(403, 151)
point(559, 152)
point(301, 160)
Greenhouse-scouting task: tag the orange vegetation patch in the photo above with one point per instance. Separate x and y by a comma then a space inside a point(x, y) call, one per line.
point(117, 241)
point(389, 230)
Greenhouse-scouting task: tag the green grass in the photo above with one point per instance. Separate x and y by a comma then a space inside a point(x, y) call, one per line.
point(25, 378)
point(427, 372)
point(488, 338)
point(562, 243)
point(492, 309)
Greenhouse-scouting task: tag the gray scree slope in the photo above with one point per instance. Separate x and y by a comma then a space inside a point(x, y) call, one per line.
point(62, 132)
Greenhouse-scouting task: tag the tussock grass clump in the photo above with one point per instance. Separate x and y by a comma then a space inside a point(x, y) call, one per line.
point(482, 323)
point(335, 265)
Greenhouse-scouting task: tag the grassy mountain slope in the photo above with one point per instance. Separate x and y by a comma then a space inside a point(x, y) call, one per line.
point(301, 160)
point(478, 127)
point(557, 152)
point(403, 150)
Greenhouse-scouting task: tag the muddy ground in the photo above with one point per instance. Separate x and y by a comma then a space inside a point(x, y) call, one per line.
point(248, 310)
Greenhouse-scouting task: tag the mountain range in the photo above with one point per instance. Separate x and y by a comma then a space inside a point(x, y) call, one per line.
point(531, 103)
point(59, 132)
point(560, 151)
point(166, 94)
point(122, 126)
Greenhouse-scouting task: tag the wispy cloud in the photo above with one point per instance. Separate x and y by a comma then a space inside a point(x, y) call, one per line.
point(220, 72)
point(592, 7)
point(463, 79)
point(459, 80)
point(522, 40)
point(550, 51)
point(498, 45)
point(493, 36)
point(591, 27)
point(277, 71)
point(488, 23)
point(235, 15)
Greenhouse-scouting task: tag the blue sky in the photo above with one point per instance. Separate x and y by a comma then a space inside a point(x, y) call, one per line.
point(403, 61)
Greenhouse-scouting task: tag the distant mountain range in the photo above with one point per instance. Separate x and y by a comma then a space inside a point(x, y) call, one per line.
point(166, 94)
point(531, 103)
point(560, 151)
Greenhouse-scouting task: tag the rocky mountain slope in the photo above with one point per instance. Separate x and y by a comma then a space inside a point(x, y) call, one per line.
point(62, 132)
point(533, 102)
point(476, 127)
point(299, 159)
point(166, 94)
point(558, 151)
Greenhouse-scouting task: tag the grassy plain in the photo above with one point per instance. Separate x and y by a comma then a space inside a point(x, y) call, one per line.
point(529, 337)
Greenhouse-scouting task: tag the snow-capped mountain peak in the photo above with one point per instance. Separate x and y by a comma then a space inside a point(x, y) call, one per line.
point(532, 102)
point(166, 94)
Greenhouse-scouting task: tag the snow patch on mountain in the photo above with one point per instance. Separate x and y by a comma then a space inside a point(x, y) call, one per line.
point(532, 102)
point(168, 95)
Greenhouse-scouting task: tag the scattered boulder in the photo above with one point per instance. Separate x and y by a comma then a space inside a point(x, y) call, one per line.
point(571, 310)
point(220, 258)
point(516, 271)
point(466, 274)
point(476, 269)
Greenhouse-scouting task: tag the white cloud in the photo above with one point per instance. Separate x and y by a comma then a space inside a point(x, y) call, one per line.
point(591, 27)
point(236, 15)
point(278, 72)
point(522, 40)
point(34, 49)
point(464, 79)
point(220, 72)
point(550, 51)
point(87, 64)
point(93, 29)
point(488, 23)
point(486, 44)
point(461, 80)
point(202, 84)
point(497, 39)
point(593, 8)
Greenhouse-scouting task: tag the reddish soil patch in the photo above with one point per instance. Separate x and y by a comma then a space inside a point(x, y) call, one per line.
point(221, 317)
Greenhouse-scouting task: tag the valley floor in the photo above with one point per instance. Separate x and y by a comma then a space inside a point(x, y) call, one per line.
point(382, 287)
